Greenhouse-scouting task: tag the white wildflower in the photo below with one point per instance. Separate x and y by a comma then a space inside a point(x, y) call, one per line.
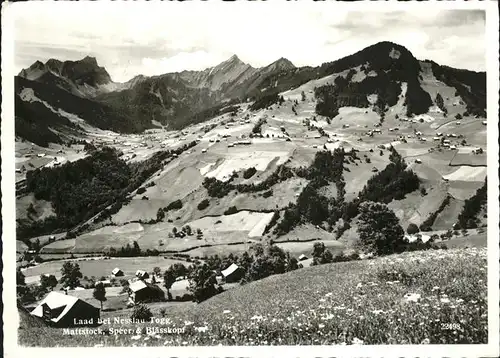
point(357, 341)
point(412, 297)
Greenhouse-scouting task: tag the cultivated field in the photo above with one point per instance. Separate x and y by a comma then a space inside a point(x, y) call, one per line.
point(100, 267)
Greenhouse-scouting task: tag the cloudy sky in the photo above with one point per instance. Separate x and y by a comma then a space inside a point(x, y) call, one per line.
point(129, 39)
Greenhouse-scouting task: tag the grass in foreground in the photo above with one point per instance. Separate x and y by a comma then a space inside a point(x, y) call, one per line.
point(437, 297)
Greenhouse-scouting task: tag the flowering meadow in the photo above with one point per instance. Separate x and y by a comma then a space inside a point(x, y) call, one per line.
point(426, 297)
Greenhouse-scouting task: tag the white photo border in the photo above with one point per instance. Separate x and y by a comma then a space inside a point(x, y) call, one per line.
point(10, 316)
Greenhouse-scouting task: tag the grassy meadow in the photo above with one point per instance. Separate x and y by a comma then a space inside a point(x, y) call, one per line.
point(434, 297)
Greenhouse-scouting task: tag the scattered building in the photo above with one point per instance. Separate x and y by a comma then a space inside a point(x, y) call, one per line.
point(233, 273)
point(141, 291)
point(60, 310)
point(303, 257)
point(141, 274)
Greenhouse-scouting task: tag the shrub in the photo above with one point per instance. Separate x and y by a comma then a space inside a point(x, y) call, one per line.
point(412, 229)
point(267, 194)
point(249, 172)
point(203, 204)
point(141, 312)
point(231, 210)
point(175, 205)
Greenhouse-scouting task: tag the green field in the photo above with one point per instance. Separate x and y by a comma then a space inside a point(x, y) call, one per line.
point(400, 299)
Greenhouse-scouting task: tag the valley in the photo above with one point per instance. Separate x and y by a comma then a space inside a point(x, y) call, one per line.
point(190, 165)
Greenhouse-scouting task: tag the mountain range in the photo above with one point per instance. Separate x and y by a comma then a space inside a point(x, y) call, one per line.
point(57, 99)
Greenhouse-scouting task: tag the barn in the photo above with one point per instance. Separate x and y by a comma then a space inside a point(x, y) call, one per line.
point(60, 310)
point(141, 274)
point(233, 273)
point(141, 291)
point(117, 272)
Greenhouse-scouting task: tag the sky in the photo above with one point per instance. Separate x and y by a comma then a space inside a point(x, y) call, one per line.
point(129, 40)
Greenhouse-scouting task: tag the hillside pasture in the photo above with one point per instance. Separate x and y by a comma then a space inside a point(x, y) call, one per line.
point(448, 217)
point(398, 299)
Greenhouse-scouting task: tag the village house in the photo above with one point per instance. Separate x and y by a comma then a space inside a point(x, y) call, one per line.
point(141, 274)
point(60, 310)
point(117, 272)
point(141, 291)
point(233, 273)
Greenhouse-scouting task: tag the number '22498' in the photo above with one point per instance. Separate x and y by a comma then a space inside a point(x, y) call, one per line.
point(451, 326)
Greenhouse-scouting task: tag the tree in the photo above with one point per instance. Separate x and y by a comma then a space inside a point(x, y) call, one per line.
point(303, 96)
point(202, 283)
point(412, 229)
point(100, 293)
point(440, 103)
point(36, 245)
point(20, 278)
point(157, 271)
point(125, 285)
point(257, 249)
point(245, 261)
point(318, 249)
point(327, 257)
point(168, 279)
point(379, 229)
point(259, 269)
point(71, 275)
point(48, 281)
point(178, 270)
point(137, 249)
point(292, 263)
